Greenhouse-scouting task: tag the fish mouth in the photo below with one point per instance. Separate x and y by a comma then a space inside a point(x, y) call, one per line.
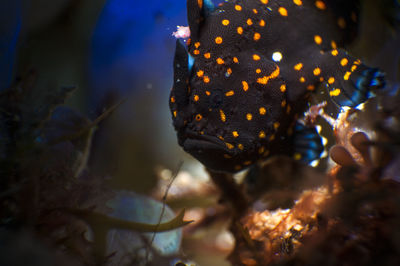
point(210, 151)
point(196, 141)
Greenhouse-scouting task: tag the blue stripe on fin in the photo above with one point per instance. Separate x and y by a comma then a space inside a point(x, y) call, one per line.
point(308, 145)
point(190, 63)
point(361, 86)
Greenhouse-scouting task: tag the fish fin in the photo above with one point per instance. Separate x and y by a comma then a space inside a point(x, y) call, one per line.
point(308, 144)
point(179, 90)
point(197, 11)
point(353, 82)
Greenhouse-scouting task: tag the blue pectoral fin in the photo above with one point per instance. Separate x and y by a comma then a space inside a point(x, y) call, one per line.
point(308, 144)
point(357, 86)
point(190, 63)
point(208, 7)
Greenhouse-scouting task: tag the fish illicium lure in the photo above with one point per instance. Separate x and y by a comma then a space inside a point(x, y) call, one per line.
point(243, 77)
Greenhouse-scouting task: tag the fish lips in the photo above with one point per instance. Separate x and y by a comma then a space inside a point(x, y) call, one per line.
point(209, 150)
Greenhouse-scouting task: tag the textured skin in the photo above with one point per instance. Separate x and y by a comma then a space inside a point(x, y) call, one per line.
point(255, 64)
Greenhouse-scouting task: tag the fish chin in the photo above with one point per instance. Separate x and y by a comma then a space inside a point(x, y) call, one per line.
point(208, 153)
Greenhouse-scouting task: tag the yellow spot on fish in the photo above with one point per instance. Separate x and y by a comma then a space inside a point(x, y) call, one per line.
point(245, 85)
point(288, 109)
point(249, 21)
point(276, 125)
point(199, 117)
point(272, 137)
point(174, 113)
point(331, 80)
point(208, 93)
point(229, 93)
point(256, 57)
point(240, 146)
point(247, 163)
point(206, 79)
point(229, 146)
point(255, 11)
point(283, 88)
point(196, 98)
point(353, 16)
point(334, 52)
point(261, 23)
point(347, 75)
point(283, 11)
point(333, 45)
point(317, 71)
point(222, 115)
point(353, 68)
point(172, 99)
point(261, 135)
point(225, 22)
point(283, 103)
point(264, 80)
point(321, 79)
point(297, 156)
point(235, 60)
point(258, 71)
point(264, 2)
point(221, 138)
point(257, 36)
point(229, 71)
point(310, 87)
point(218, 40)
point(335, 92)
point(341, 22)
point(235, 134)
point(344, 61)
point(262, 110)
point(297, 2)
point(239, 30)
point(207, 55)
point(197, 45)
point(298, 66)
point(249, 116)
point(320, 5)
point(275, 73)
point(196, 52)
point(200, 73)
point(317, 39)
point(302, 79)
point(238, 8)
point(200, 3)
point(290, 131)
point(220, 61)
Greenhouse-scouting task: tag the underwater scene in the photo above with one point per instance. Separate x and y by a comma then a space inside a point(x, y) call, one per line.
point(199, 132)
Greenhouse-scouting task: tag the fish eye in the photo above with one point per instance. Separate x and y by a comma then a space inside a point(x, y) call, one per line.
point(198, 117)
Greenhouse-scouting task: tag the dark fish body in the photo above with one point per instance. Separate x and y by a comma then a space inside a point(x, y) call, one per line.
point(255, 63)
